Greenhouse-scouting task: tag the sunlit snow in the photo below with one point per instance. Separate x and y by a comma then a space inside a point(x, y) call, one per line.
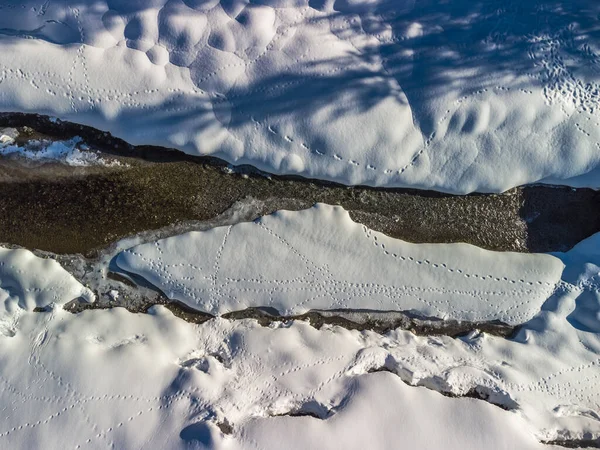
point(113, 378)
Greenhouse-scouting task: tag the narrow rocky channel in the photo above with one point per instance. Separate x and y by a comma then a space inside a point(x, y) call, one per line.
point(85, 209)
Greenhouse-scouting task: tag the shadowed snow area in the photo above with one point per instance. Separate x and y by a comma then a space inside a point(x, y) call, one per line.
point(122, 380)
point(320, 259)
point(456, 96)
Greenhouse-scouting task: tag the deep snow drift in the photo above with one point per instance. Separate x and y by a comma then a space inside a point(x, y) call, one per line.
point(456, 96)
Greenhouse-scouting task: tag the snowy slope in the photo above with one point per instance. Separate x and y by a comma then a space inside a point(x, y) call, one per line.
point(456, 96)
point(320, 259)
point(112, 379)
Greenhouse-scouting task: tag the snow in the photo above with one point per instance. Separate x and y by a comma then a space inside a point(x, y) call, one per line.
point(71, 152)
point(380, 414)
point(320, 259)
point(7, 136)
point(28, 282)
point(111, 378)
point(458, 97)
point(454, 96)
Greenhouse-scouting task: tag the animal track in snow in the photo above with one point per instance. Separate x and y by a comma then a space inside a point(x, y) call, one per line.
point(273, 61)
point(392, 275)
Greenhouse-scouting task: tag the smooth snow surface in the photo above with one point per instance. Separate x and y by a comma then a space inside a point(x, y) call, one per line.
point(380, 414)
point(455, 96)
point(320, 259)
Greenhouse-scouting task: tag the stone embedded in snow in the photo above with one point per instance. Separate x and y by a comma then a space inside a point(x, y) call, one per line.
point(454, 97)
point(320, 259)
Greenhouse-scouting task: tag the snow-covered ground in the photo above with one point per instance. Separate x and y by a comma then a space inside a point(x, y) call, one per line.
point(113, 379)
point(455, 96)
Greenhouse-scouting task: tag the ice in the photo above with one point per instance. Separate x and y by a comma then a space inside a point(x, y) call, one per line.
point(71, 152)
point(458, 97)
point(320, 259)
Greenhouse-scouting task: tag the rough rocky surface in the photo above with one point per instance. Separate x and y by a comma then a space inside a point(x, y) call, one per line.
point(84, 209)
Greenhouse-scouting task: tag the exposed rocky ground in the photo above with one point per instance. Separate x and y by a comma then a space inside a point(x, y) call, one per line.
point(84, 209)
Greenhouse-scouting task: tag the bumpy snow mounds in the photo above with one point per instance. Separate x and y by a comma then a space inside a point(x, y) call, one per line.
point(456, 96)
point(320, 259)
point(112, 379)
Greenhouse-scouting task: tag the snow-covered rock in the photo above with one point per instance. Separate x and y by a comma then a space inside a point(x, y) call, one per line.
point(7, 136)
point(320, 259)
point(28, 282)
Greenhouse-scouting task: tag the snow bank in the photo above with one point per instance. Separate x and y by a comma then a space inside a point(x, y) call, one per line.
point(320, 259)
point(382, 412)
point(455, 97)
point(109, 378)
